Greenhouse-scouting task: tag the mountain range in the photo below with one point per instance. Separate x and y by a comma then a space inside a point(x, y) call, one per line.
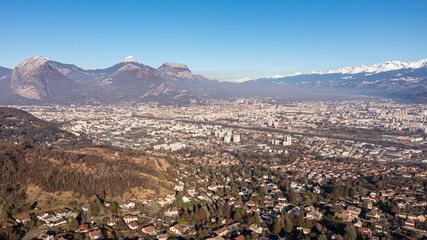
point(393, 79)
point(38, 80)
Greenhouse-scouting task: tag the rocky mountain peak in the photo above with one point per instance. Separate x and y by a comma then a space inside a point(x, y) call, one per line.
point(174, 65)
point(175, 71)
point(36, 78)
point(130, 59)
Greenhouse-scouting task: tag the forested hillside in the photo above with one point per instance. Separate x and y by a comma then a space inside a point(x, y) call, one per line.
point(23, 167)
point(32, 174)
point(19, 126)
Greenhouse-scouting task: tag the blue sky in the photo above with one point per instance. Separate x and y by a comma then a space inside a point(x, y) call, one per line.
point(226, 40)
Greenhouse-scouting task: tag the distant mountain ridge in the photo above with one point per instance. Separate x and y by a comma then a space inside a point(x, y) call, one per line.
point(5, 73)
point(39, 80)
point(375, 68)
point(393, 79)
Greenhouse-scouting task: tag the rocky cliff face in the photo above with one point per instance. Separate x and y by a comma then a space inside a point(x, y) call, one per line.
point(175, 72)
point(42, 80)
point(36, 79)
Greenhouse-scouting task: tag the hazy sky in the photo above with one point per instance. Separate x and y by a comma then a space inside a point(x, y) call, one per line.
point(226, 40)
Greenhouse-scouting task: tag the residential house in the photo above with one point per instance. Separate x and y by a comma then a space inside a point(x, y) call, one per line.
point(83, 228)
point(250, 203)
point(240, 237)
point(112, 221)
point(192, 191)
point(45, 236)
point(179, 187)
point(23, 218)
point(314, 215)
point(357, 222)
point(354, 211)
point(130, 218)
point(96, 234)
point(5, 224)
point(163, 236)
point(222, 231)
point(128, 205)
point(373, 214)
point(364, 231)
point(133, 225)
point(177, 229)
point(215, 238)
point(150, 230)
point(172, 212)
point(212, 187)
point(64, 213)
point(257, 229)
point(186, 198)
point(410, 223)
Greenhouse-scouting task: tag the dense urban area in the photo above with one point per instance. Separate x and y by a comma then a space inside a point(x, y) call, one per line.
point(246, 169)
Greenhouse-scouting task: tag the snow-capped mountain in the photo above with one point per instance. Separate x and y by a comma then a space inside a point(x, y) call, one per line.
point(394, 79)
point(375, 68)
point(130, 59)
point(40, 80)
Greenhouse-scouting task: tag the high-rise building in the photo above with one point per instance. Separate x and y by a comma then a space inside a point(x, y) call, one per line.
point(287, 141)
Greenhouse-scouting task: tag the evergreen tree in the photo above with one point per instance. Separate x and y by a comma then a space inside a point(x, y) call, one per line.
point(291, 218)
point(5, 213)
point(94, 209)
point(142, 209)
point(339, 237)
point(201, 214)
point(276, 227)
point(322, 237)
point(73, 224)
point(237, 217)
point(257, 219)
point(350, 233)
point(300, 220)
point(178, 200)
point(352, 192)
point(220, 210)
point(208, 214)
point(114, 207)
point(154, 207)
point(202, 233)
point(289, 225)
